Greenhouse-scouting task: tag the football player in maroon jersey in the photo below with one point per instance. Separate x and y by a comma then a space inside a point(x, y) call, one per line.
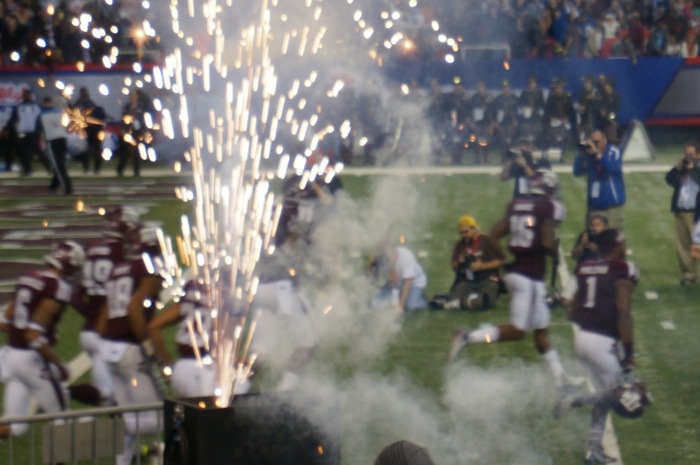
point(604, 341)
point(132, 293)
point(34, 370)
point(193, 374)
point(101, 257)
point(531, 224)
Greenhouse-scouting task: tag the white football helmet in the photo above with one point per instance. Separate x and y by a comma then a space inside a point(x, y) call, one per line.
point(66, 256)
point(631, 399)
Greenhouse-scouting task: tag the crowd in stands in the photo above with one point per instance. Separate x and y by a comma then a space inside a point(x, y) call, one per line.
point(40, 33)
point(569, 28)
point(36, 33)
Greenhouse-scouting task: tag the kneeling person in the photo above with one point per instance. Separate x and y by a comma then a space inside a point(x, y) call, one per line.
point(476, 261)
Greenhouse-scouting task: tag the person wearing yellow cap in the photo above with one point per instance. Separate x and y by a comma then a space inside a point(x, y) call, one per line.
point(476, 261)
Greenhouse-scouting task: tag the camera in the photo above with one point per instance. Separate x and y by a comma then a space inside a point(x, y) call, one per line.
point(688, 163)
point(587, 146)
point(466, 263)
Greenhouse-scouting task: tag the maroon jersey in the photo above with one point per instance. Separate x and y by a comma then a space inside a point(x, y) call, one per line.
point(32, 288)
point(100, 258)
point(123, 282)
point(526, 218)
point(595, 310)
point(193, 313)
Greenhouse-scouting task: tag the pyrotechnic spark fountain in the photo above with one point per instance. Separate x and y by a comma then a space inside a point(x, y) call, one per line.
point(241, 117)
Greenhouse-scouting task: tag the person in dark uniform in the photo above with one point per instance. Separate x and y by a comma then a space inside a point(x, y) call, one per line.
point(134, 132)
point(133, 289)
point(504, 115)
point(93, 131)
point(8, 137)
point(558, 116)
point(34, 371)
point(530, 224)
point(102, 255)
point(588, 108)
point(610, 101)
point(532, 97)
point(479, 123)
point(604, 341)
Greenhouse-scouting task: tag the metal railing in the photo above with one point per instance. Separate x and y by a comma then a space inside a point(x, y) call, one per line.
point(85, 436)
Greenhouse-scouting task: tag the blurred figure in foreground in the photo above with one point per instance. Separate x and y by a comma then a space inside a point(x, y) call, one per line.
point(33, 369)
point(604, 340)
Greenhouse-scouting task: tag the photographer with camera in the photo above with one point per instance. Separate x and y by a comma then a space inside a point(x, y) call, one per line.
point(586, 248)
point(476, 261)
point(684, 177)
point(601, 162)
point(520, 165)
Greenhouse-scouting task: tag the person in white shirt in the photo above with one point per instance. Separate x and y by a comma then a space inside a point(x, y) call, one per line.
point(405, 279)
point(684, 177)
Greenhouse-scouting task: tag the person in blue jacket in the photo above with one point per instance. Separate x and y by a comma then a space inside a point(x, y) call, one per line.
point(601, 161)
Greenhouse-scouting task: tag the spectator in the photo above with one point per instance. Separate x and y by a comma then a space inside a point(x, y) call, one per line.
point(13, 38)
point(684, 177)
point(601, 162)
point(594, 39)
point(611, 26)
point(689, 46)
point(34, 371)
point(604, 342)
point(475, 262)
point(54, 136)
point(658, 39)
point(405, 280)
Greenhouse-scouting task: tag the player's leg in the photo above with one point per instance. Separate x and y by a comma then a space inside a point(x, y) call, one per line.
point(16, 403)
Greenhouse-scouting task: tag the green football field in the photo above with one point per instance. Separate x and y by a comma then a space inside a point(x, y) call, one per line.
point(493, 405)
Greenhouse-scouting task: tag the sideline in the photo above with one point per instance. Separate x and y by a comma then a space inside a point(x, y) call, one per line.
point(166, 171)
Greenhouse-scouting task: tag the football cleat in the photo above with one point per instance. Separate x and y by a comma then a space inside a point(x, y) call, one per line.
point(460, 338)
point(595, 455)
point(452, 305)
